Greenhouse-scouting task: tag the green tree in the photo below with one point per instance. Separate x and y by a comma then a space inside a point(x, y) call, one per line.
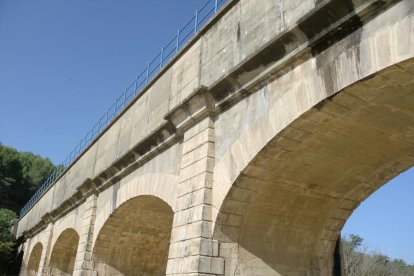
point(10, 177)
point(21, 174)
point(35, 169)
point(353, 241)
point(7, 245)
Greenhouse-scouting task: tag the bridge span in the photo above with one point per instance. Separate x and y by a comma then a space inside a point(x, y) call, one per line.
point(248, 151)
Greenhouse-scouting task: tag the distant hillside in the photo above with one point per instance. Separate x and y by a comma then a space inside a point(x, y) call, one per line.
point(359, 261)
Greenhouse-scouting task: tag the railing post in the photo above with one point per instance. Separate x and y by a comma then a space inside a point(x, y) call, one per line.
point(215, 5)
point(126, 90)
point(178, 41)
point(99, 127)
point(72, 155)
point(146, 78)
point(136, 85)
point(116, 107)
point(162, 53)
point(52, 176)
point(196, 22)
point(47, 181)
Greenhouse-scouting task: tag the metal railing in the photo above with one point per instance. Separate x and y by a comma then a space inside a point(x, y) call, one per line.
point(167, 52)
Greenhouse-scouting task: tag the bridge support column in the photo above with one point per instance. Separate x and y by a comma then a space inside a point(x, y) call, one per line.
point(26, 254)
point(192, 249)
point(27, 251)
point(84, 262)
point(45, 257)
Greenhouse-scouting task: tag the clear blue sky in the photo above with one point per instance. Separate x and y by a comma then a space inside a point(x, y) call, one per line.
point(62, 63)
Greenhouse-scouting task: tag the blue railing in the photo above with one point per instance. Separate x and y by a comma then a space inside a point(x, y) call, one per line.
point(167, 52)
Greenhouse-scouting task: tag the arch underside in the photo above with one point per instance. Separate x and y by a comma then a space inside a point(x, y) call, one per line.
point(34, 260)
point(135, 239)
point(62, 260)
point(284, 212)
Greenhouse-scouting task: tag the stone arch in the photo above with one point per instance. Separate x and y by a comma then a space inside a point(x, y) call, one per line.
point(62, 259)
point(135, 238)
point(286, 206)
point(160, 185)
point(34, 259)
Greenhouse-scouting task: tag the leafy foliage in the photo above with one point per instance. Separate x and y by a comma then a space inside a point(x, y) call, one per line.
point(8, 248)
point(358, 262)
point(6, 216)
point(21, 174)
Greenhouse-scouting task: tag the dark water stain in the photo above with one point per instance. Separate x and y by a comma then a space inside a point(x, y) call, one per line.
point(319, 21)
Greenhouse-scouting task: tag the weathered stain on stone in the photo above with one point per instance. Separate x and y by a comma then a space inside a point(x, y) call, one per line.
point(34, 259)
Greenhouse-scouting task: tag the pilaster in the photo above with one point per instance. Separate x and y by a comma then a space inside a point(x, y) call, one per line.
point(26, 255)
point(83, 261)
point(44, 268)
point(192, 249)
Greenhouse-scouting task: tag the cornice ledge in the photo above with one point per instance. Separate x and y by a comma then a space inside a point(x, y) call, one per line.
point(194, 108)
point(87, 188)
point(146, 148)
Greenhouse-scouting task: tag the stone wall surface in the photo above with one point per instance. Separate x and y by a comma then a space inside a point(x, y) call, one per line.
point(248, 152)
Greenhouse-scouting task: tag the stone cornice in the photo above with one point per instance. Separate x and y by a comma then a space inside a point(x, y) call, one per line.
point(194, 108)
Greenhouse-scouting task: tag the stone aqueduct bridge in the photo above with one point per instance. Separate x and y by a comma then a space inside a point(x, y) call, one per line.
point(246, 154)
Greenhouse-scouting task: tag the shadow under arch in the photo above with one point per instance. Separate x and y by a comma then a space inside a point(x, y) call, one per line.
point(62, 260)
point(284, 212)
point(135, 238)
point(34, 260)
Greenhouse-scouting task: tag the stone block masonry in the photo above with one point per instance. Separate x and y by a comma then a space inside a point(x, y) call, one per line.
point(275, 122)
